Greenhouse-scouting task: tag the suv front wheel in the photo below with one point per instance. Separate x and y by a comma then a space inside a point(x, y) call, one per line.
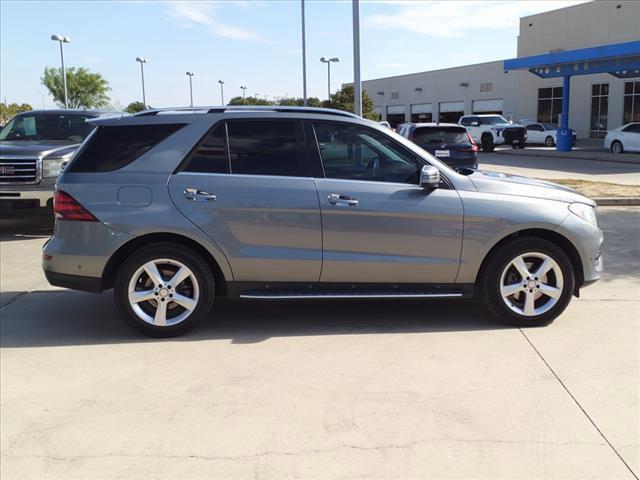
point(527, 282)
point(487, 143)
point(164, 290)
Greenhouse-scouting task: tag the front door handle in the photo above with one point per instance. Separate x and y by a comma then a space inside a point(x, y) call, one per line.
point(196, 195)
point(342, 200)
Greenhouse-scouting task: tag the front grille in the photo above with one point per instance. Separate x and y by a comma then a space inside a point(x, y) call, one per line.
point(17, 170)
point(513, 132)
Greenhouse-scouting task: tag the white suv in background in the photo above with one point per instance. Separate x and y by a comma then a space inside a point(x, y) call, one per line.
point(492, 130)
point(624, 139)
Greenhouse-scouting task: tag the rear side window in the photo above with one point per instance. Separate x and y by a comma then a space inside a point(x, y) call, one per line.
point(259, 147)
point(114, 147)
point(210, 156)
point(428, 137)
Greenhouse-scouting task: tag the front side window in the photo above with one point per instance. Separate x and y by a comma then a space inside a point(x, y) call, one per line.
point(535, 128)
point(53, 127)
point(263, 147)
point(353, 152)
point(633, 128)
point(493, 120)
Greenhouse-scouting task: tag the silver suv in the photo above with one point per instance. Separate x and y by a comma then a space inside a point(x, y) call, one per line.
point(173, 208)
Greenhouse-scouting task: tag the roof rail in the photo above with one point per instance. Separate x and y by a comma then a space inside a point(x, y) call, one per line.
point(248, 108)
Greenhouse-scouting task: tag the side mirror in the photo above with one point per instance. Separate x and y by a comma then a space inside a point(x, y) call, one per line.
point(475, 124)
point(429, 177)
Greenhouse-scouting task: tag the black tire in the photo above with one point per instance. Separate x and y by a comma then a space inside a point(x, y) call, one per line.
point(489, 281)
point(549, 141)
point(616, 147)
point(521, 146)
point(487, 143)
point(171, 251)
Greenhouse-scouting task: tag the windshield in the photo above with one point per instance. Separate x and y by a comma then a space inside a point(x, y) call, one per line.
point(62, 127)
point(493, 120)
point(429, 137)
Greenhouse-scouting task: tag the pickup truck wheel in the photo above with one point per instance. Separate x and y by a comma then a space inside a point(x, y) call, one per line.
point(164, 290)
point(487, 143)
point(549, 141)
point(528, 282)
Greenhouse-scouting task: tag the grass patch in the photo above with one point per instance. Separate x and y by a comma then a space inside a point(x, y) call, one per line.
point(600, 189)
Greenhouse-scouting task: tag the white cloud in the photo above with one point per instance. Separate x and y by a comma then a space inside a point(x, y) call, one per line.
point(454, 19)
point(191, 14)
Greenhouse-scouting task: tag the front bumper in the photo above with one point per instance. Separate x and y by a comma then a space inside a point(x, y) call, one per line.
point(27, 199)
point(587, 239)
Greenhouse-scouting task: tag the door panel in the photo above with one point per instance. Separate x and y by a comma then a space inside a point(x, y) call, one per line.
point(268, 226)
point(389, 232)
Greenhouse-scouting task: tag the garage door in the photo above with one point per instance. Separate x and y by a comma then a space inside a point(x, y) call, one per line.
point(488, 106)
point(395, 115)
point(422, 112)
point(450, 112)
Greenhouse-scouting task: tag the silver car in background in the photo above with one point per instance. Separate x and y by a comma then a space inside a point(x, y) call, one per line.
point(172, 208)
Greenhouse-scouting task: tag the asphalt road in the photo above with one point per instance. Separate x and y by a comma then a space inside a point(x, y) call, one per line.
point(392, 389)
point(561, 168)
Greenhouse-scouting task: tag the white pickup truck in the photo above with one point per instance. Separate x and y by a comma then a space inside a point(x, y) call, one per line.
point(491, 130)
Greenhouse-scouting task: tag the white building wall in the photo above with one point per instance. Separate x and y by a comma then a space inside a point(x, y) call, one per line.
point(580, 26)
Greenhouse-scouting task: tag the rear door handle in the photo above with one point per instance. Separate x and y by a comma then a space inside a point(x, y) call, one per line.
point(342, 200)
point(196, 195)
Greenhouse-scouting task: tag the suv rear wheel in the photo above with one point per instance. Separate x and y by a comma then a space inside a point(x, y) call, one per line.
point(164, 290)
point(527, 282)
point(487, 143)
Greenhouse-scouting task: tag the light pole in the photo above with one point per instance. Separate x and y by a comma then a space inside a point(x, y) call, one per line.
point(328, 62)
point(62, 39)
point(304, 58)
point(357, 82)
point(221, 92)
point(190, 74)
point(142, 61)
point(244, 90)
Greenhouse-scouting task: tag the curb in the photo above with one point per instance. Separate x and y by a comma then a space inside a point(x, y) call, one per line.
point(533, 153)
point(617, 201)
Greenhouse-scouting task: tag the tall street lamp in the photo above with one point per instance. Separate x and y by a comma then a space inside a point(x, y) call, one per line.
point(142, 61)
point(190, 74)
point(244, 90)
point(328, 62)
point(221, 91)
point(62, 39)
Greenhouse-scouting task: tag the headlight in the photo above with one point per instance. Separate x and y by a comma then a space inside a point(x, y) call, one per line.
point(585, 212)
point(52, 167)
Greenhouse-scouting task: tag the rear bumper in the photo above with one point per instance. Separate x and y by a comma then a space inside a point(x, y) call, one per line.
point(74, 282)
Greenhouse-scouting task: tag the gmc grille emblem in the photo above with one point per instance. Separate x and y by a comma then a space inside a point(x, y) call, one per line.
point(7, 170)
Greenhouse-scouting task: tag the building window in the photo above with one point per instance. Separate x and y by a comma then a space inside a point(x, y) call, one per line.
point(631, 102)
point(395, 95)
point(486, 87)
point(599, 109)
point(549, 104)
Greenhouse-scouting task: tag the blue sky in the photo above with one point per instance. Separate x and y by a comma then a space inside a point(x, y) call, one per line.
point(254, 43)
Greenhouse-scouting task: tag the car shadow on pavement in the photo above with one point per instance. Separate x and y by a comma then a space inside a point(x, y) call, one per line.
point(63, 318)
point(23, 229)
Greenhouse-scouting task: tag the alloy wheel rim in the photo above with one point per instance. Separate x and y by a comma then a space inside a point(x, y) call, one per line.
point(531, 284)
point(163, 292)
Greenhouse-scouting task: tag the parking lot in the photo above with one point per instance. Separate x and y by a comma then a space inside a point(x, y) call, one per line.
point(392, 389)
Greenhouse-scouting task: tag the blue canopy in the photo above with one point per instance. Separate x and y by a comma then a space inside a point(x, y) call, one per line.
point(621, 60)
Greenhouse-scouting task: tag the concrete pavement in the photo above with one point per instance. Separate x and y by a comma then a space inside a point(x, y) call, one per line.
point(558, 167)
point(321, 390)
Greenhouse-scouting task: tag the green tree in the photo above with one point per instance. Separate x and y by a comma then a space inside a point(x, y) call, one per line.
point(249, 101)
point(85, 89)
point(9, 110)
point(343, 100)
point(299, 102)
point(134, 107)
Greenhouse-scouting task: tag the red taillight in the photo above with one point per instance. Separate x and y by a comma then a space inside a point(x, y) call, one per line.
point(65, 207)
point(474, 147)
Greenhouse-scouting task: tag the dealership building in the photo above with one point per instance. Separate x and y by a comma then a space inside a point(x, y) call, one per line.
point(591, 51)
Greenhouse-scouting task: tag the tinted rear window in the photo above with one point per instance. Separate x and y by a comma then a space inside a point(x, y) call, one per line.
point(114, 147)
point(429, 137)
point(210, 156)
